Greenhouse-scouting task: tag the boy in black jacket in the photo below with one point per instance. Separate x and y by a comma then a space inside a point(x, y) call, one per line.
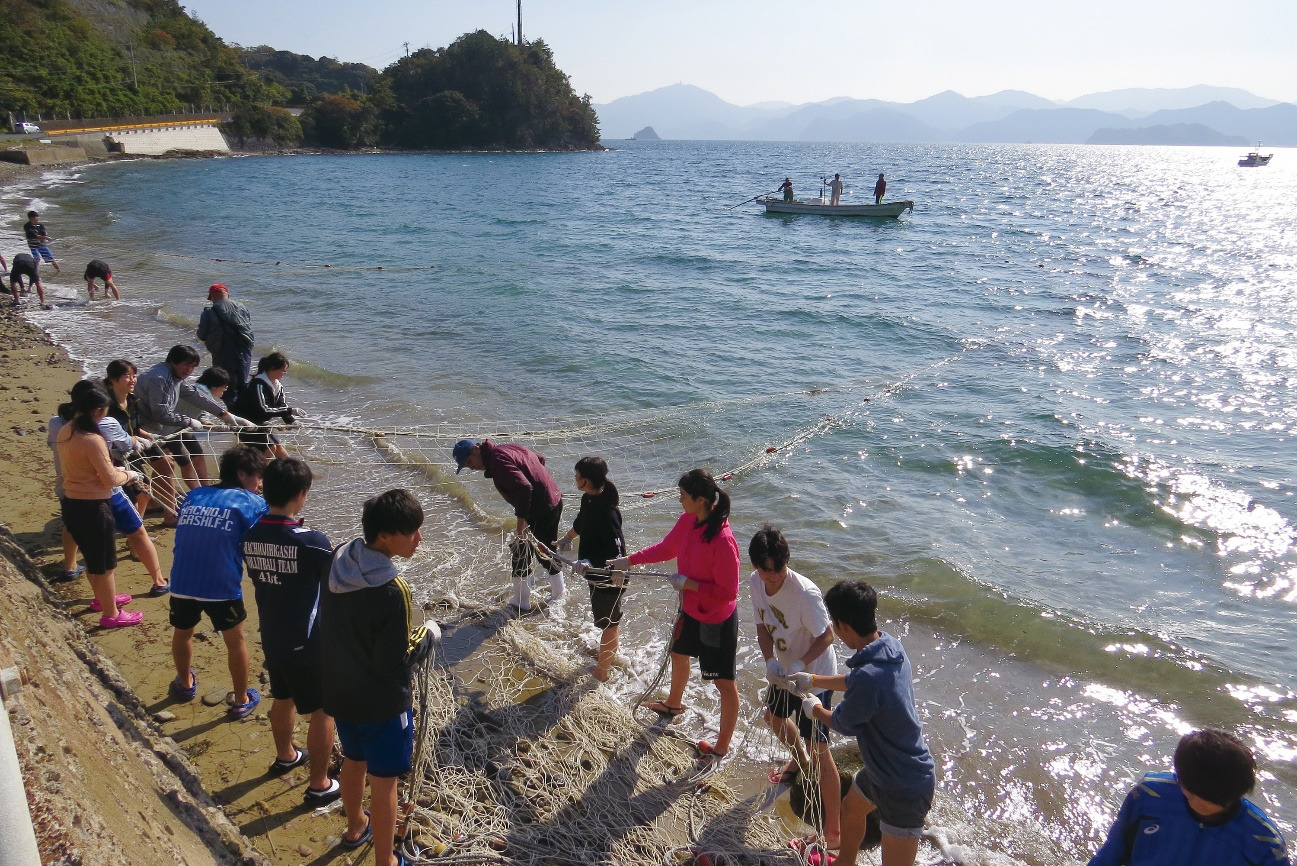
point(371, 646)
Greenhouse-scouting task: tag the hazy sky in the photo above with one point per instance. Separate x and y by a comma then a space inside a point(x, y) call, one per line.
point(807, 50)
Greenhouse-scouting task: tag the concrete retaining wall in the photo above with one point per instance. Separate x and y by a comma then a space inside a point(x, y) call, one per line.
point(44, 155)
point(159, 140)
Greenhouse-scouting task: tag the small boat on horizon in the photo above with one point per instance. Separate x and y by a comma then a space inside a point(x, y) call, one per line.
point(1254, 159)
point(821, 207)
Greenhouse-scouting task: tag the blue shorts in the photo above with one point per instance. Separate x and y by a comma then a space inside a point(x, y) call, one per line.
point(386, 747)
point(902, 817)
point(39, 253)
point(126, 518)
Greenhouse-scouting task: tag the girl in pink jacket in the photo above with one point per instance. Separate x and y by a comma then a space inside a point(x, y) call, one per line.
point(707, 559)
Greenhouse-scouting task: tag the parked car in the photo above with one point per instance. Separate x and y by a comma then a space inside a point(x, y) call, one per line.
point(28, 128)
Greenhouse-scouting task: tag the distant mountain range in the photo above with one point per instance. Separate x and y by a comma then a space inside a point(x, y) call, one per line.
point(1189, 115)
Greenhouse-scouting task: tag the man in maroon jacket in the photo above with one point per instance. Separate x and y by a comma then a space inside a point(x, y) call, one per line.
point(521, 478)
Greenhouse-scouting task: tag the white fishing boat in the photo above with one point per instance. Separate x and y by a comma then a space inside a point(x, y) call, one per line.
point(1254, 159)
point(821, 207)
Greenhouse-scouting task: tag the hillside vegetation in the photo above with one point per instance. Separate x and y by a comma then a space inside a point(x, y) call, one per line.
point(118, 58)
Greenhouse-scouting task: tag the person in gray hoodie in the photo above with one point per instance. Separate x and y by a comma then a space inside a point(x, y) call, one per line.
point(370, 647)
point(877, 708)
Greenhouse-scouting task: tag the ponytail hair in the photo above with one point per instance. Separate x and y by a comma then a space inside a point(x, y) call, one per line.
point(273, 361)
point(699, 484)
point(593, 469)
point(67, 410)
point(86, 401)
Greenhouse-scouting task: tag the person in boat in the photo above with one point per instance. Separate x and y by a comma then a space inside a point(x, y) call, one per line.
point(1197, 815)
point(835, 188)
point(795, 634)
point(521, 478)
point(598, 524)
point(787, 188)
point(879, 189)
point(98, 270)
point(264, 400)
point(707, 628)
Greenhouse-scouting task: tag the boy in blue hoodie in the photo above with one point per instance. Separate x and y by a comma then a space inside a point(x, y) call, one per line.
point(370, 647)
point(1198, 815)
point(877, 708)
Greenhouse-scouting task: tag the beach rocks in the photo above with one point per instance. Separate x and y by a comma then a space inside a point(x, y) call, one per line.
point(215, 697)
point(164, 717)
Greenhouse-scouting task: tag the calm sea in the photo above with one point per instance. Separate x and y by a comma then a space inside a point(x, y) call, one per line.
point(1049, 414)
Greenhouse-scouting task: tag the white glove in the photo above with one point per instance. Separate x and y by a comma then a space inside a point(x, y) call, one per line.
point(136, 477)
point(563, 545)
point(621, 563)
point(195, 424)
point(580, 567)
point(678, 581)
point(809, 703)
point(241, 422)
point(796, 667)
point(775, 670)
point(801, 682)
point(433, 629)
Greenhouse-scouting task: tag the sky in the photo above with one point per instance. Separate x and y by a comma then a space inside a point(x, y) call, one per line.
point(749, 51)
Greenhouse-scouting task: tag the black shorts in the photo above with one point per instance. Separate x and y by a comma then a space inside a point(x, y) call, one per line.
point(297, 676)
point(181, 449)
point(225, 615)
point(544, 526)
point(605, 603)
point(257, 437)
point(90, 522)
point(714, 644)
point(97, 270)
point(785, 705)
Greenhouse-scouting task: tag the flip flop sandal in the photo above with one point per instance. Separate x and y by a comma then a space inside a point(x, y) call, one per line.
point(662, 708)
point(184, 693)
point(278, 767)
point(785, 776)
point(122, 599)
point(353, 844)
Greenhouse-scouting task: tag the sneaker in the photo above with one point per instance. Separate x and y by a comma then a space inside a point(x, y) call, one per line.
point(123, 618)
point(313, 797)
point(278, 767)
point(243, 710)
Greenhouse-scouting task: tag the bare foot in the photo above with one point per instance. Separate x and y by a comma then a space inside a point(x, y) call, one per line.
point(599, 674)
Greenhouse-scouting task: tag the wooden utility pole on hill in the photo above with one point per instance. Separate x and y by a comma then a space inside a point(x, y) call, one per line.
point(519, 23)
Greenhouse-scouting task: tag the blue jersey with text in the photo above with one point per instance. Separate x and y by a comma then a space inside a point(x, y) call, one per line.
point(1156, 828)
point(288, 563)
point(208, 560)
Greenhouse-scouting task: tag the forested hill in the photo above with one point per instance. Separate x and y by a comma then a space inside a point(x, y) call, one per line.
point(118, 58)
point(109, 58)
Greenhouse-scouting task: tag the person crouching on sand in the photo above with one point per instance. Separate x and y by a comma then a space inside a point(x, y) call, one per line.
point(598, 524)
point(263, 401)
point(704, 549)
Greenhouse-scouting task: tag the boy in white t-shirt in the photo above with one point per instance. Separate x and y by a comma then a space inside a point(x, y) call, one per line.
point(795, 634)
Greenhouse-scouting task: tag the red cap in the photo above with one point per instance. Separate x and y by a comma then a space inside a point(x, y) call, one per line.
point(217, 287)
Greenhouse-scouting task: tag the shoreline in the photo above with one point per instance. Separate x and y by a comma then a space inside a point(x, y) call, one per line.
point(203, 773)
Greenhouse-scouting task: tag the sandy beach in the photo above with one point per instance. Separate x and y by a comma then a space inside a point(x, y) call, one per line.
point(112, 764)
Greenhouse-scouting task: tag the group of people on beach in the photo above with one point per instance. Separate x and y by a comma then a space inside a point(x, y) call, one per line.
point(24, 274)
point(341, 638)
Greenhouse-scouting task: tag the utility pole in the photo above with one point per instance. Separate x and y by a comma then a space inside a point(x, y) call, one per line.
point(519, 23)
point(130, 47)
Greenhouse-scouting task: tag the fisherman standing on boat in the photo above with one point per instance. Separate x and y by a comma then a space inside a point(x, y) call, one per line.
point(879, 189)
point(521, 478)
point(787, 187)
point(836, 189)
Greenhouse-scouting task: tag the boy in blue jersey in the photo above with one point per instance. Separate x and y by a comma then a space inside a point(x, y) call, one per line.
point(288, 564)
point(877, 708)
point(1196, 816)
point(207, 572)
point(371, 646)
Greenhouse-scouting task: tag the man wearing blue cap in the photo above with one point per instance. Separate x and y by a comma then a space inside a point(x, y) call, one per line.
point(521, 478)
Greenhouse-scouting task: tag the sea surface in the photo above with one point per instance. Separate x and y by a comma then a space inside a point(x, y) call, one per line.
point(1050, 414)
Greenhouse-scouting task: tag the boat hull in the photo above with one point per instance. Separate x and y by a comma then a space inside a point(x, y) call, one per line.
point(890, 209)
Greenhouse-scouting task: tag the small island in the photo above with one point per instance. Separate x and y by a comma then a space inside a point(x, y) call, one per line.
point(646, 134)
